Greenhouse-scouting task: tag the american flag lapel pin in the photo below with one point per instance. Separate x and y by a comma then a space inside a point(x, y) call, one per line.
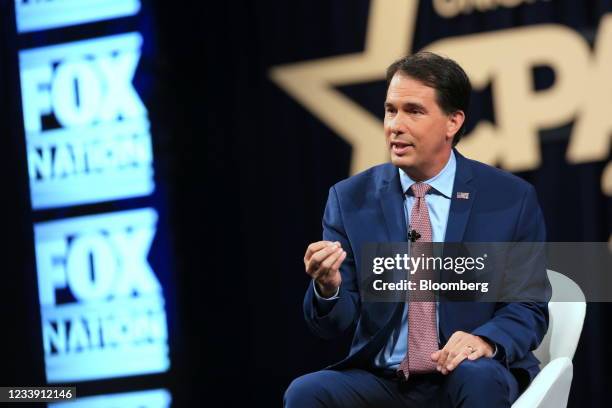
point(463, 196)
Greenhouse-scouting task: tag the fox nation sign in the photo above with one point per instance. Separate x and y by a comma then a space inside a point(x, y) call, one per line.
point(102, 306)
point(35, 15)
point(86, 128)
point(88, 141)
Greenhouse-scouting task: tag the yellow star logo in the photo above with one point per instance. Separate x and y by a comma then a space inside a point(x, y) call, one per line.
point(389, 36)
point(513, 143)
point(391, 26)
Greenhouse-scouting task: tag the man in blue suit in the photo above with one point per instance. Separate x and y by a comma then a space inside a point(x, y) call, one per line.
point(450, 354)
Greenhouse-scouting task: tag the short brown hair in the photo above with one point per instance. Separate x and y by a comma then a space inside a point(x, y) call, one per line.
point(452, 85)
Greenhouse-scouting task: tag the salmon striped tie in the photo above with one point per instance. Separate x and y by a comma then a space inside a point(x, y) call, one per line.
point(422, 333)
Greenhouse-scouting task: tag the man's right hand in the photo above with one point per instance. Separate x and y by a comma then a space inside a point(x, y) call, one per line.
point(322, 261)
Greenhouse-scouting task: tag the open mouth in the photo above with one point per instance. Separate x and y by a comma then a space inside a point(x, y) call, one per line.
point(399, 148)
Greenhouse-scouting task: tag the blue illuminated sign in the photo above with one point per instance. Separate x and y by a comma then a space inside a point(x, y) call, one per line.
point(33, 15)
point(140, 399)
point(100, 149)
point(102, 306)
point(88, 141)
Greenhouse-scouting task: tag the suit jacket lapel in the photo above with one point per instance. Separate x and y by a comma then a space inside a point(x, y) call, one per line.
point(458, 217)
point(461, 205)
point(391, 198)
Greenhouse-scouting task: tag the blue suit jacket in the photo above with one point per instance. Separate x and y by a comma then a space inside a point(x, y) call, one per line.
point(368, 207)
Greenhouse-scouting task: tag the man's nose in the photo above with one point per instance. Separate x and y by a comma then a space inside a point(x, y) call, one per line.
point(396, 125)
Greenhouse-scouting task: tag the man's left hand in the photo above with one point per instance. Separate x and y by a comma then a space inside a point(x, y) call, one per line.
point(460, 346)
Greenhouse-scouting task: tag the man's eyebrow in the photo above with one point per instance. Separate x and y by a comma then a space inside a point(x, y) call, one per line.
point(407, 105)
point(413, 105)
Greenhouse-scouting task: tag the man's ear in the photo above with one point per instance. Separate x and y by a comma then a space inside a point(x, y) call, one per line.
point(454, 123)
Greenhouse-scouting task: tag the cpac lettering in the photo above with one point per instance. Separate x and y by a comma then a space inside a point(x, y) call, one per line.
point(581, 91)
point(451, 8)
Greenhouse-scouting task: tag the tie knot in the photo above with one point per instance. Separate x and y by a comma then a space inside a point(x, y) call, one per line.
point(420, 189)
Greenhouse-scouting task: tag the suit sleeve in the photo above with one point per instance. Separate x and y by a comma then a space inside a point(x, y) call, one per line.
point(519, 327)
point(342, 313)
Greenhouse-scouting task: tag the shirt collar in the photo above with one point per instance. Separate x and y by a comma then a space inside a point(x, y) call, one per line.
point(441, 182)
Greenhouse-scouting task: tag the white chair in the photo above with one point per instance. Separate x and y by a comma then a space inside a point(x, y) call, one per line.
point(551, 387)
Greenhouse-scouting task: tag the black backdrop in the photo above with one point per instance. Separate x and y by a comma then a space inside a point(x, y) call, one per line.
point(248, 170)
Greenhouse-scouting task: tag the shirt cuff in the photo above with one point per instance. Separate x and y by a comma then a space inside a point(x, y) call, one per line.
point(491, 343)
point(319, 297)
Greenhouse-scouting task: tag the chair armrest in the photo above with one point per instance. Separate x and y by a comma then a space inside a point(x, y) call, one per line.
point(550, 388)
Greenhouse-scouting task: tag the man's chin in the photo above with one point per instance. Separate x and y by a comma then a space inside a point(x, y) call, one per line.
point(402, 161)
